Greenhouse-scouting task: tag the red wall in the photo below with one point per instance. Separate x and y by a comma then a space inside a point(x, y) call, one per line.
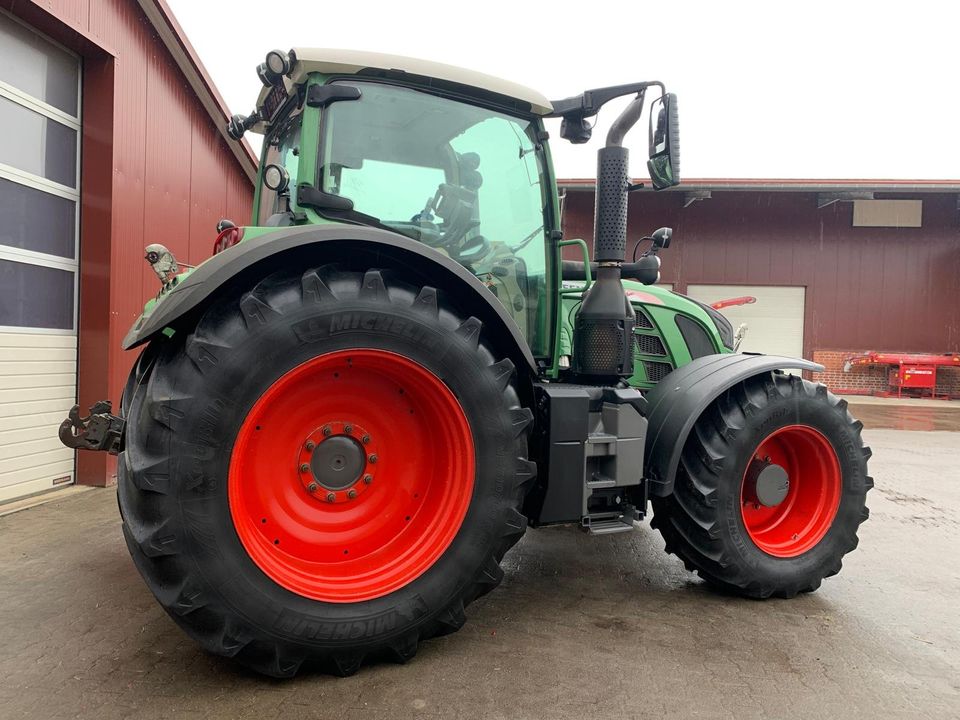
point(866, 288)
point(154, 170)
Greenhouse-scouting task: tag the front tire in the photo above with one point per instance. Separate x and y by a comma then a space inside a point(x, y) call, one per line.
point(771, 489)
point(327, 469)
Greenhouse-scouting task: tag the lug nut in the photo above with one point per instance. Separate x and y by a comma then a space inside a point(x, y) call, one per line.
point(304, 468)
point(312, 487)
point(348, 428)
point(366, 439)
point(327, 430)
point(373, 459)
point(351, 494)
point(310, 445)
point(367, 479)
point(331, 497)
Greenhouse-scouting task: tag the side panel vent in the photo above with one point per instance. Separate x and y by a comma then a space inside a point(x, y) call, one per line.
point(641, 321)
point(650, 345)
point(657, 371)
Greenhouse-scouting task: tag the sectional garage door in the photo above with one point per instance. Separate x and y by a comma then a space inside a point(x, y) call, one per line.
point(774, 321)
point(39, 213)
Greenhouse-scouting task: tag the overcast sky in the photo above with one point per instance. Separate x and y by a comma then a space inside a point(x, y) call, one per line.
point(766, 89)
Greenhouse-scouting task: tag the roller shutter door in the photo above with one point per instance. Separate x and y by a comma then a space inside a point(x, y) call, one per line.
point(774, 321)
point(39, 224)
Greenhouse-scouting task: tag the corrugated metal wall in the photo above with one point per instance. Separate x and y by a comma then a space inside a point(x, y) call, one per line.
point(869, 288)
point(154, 169)
point(173, 176)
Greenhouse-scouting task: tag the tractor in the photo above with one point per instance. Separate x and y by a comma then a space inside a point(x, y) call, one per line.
point(340, 422)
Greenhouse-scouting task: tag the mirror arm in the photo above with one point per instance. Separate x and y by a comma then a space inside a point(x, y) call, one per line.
point(626, 120)
point(589, 102)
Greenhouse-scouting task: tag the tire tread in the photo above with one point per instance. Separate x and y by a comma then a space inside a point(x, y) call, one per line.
point(689, 519)
point(153, 409)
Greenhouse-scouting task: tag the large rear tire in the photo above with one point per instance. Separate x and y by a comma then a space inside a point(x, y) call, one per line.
point(771, 489)
point(328, 468)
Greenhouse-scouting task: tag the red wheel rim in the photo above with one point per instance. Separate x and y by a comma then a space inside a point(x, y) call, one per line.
point(800, 521)
point(355, 534)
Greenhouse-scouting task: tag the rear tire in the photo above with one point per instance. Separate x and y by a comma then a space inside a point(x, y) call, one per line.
point(191, 478)
point(724, 533)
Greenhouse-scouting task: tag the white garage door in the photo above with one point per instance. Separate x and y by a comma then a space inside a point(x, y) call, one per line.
point(774, 321)
point(39, 211)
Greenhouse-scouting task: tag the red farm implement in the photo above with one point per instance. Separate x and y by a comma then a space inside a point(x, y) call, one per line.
point(907, 371)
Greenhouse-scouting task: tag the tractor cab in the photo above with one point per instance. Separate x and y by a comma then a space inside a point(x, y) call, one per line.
point(454, 159)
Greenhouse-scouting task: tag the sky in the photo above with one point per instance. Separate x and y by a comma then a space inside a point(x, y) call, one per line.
point(825, 90)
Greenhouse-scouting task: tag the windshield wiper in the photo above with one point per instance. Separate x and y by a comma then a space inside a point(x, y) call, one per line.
point(526, 241)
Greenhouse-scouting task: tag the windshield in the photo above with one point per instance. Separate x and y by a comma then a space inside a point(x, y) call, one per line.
point(465, 180)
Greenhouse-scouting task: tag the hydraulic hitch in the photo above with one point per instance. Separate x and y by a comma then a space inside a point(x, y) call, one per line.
point(100, 430)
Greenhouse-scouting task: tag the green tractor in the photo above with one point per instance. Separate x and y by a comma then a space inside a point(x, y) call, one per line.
point(341, 421)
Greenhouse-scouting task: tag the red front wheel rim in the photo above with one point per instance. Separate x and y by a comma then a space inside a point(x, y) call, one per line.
point(803, 517)
point(351, 475)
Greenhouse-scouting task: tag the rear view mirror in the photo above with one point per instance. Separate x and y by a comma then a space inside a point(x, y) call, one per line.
point(664, 163)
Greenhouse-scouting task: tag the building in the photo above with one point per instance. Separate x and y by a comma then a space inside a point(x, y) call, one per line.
point(836, 267)
point(112, 139)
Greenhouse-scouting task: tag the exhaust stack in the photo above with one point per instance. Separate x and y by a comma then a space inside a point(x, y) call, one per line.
point(604, 324)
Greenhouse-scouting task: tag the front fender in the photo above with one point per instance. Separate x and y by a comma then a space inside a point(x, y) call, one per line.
point(391, 250)
point(676, 402)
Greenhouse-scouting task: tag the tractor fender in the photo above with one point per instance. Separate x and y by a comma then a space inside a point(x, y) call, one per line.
point(676, 402)
point(389, 248)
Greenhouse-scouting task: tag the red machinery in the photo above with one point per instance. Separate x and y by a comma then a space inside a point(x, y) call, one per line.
point(745, 300)
point(916, 371)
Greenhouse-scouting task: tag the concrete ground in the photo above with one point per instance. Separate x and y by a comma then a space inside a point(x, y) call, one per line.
point(606, 627)
point(916, 415)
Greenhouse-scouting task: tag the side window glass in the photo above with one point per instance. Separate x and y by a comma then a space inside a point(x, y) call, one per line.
point(268, 198)
point(281, 149)
point(510, 205)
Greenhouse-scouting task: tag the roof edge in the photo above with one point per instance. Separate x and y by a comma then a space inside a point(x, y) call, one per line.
point(789, 184)
point(173, 37)
point(338, 60)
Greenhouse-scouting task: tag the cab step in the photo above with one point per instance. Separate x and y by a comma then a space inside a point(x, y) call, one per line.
point(607, 524)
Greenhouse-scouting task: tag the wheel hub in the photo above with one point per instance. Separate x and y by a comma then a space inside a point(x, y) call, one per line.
point(766, 483)
point(790, 491)
point(336, 462)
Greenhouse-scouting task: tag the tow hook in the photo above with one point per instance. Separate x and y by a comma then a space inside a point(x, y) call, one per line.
point(100, 430)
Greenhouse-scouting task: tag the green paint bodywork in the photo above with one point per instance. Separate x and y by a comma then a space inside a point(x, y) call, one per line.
point(660, 306)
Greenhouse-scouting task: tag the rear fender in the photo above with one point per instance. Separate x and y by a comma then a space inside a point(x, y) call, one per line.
point(676, 402)
point(318, 244)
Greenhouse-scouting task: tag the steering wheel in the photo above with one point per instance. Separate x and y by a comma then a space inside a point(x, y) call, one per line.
point(476, 248)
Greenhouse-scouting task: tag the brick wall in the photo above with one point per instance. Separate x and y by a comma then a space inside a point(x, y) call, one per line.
point(870, 379)
point(948, 382)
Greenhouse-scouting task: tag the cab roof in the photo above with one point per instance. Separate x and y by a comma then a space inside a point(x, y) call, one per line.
point(333, 61)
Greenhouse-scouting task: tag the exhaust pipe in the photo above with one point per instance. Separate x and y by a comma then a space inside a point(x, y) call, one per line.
point(604, 326)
